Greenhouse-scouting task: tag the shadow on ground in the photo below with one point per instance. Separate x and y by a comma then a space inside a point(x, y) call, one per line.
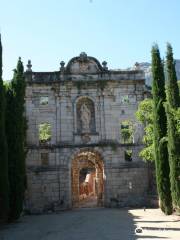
point(78, 224)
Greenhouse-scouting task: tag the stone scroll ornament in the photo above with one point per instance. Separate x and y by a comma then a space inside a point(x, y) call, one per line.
point(85, 118)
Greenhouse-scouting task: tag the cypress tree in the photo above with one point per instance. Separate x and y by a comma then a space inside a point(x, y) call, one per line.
point(16, 128)
point(160, 131)
point(11, 139)
point(4, 186)
point(173, 102)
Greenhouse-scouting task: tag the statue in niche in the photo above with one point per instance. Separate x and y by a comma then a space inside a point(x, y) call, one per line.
point(85, 118)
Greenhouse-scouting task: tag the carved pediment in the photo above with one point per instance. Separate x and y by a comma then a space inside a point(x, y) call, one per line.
point(83, 64)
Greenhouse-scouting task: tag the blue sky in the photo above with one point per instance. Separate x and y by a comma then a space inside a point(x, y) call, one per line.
point(118, 31)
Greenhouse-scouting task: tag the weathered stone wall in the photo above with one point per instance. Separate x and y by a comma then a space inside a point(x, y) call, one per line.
point(115, 96)
point(125, 184)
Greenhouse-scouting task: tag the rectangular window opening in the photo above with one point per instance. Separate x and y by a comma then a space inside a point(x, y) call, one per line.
point(127, 131)
point(44, 159)
point(128, 155)
point(44, 132)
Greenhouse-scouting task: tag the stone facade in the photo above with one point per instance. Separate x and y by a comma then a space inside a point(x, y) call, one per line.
point(84, 103)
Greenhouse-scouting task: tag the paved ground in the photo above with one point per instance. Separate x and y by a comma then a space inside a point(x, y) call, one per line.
point(95, 224)
point(90, 202)
point(156, 225)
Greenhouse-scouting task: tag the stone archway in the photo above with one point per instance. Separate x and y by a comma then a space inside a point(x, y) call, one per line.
point(87, 175)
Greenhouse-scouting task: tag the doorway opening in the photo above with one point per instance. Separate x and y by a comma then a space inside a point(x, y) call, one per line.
point(87, 179)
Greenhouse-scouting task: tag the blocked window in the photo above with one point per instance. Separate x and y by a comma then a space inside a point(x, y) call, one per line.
point(127, 131)
point(44, 100)
point(44, 132)
point(128, 155)
point(44, 159)
point(35, 100)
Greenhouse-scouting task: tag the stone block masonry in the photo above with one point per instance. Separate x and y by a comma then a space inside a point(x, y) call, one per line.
point(84, 104)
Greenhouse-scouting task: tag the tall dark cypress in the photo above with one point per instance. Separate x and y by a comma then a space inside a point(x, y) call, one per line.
point(173, 102)
point(4, 186)
point(160, 131)
point(12, 158)
point(16, 128)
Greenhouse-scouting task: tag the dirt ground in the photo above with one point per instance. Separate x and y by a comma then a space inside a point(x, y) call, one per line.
point(95, 224)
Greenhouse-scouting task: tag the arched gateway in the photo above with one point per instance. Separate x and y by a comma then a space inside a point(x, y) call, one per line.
point(87, 178)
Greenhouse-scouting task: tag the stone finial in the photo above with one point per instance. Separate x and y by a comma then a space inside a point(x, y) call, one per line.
point(29, 66)
point(104, 64)
point(83, 56)
point(136, 66)
point(62, 64)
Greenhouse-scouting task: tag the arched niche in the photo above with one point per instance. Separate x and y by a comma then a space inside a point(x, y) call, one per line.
point(85, 116)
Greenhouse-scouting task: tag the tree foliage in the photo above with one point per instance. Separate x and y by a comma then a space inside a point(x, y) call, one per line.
point(44, 132)
point(173, 116)
point(176, 116)
point(16, 132)
point(127, 130)
point(145, 116)
point(4, 183)
point(160, 131)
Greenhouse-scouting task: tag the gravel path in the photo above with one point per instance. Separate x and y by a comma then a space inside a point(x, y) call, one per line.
point(93, 224)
